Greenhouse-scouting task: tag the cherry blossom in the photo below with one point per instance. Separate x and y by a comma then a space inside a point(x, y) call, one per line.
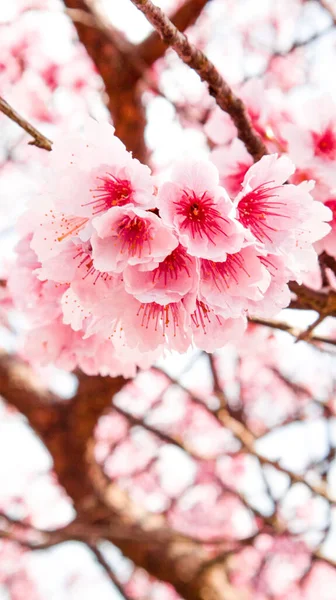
point(200, 210)
point(130, 236)
point(272, 210)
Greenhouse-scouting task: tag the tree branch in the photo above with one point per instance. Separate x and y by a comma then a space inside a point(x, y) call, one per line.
point(152, 48)
point(300, 335)
point(107, 569)
point(196, 60)
point(39, 139)
point(112, 56)
point(248, 440)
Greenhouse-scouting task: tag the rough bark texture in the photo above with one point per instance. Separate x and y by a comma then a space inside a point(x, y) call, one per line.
point(122, 65)
point(66, 429)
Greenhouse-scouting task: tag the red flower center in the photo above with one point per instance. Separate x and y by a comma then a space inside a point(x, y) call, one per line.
point(222, 273)
point(255, 207)
point(134, 234)
point(159, 316)
point(173, 266)
point(332, 205)
point(199, 215)
point(111, 192)
point(325, 144)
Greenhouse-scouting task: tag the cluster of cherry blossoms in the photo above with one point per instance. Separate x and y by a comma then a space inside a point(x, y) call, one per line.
point(114, 268)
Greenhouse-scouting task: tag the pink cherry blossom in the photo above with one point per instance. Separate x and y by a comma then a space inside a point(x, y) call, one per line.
point(200, 210)
point(130, 236)
point(232, 162)
point(328, 243)
point(227, 285)
point(272, 211)
point(85, 175)
point(172, 279)
point(211, 330)
point(141, 326)
point(318, 138)
point(95, 172)
point(277, 295)
point(220, 127)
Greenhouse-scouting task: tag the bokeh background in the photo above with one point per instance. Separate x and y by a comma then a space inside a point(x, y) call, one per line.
point(212, 477)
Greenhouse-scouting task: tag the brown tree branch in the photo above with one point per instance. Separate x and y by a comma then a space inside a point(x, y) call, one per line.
point(295, 332)
point(112, 56)
point(65, 431)
point(248, 440)
point(153, 48)
point(39, 139)
point(208, 73)
point(123, 65)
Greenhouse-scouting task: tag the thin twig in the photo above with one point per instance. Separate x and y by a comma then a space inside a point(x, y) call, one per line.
point(293, 331)
point(111, 575)
point(218, 87)
point(39, 139)
point(248, 440)
point(307, 333)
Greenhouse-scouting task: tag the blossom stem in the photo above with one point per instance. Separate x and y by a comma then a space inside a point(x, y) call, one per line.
point(39, 139)
point(208, 73)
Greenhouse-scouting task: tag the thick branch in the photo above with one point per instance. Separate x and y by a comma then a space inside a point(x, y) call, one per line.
point(122, 65)
point(218, 87)
point(112, 56)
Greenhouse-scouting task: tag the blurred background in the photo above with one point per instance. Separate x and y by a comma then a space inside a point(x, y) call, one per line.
point(206, 477)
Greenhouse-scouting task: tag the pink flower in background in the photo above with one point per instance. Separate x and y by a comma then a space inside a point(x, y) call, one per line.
point(200, 210)
point(328, 243)
point(313, 135)
point(232, 162)
point(220, 127)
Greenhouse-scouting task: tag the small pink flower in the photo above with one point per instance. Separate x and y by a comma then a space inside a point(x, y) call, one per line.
point(273, 211)
point(173, 278)
point(200, 211)
point(328, 243)
point(95, 173)
point(143, 327)
point(220, 127)
point(212, 331)
point(232, 162)
point(311, 139)
point(277, 295)
point(130, 236)
point(227, 285)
